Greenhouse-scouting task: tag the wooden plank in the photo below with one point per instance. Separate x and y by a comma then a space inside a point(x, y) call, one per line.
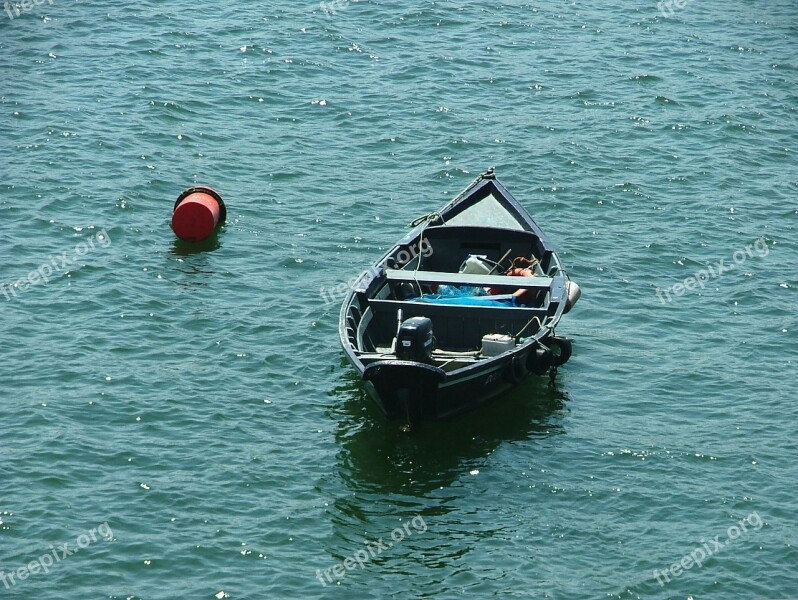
point(467, 279)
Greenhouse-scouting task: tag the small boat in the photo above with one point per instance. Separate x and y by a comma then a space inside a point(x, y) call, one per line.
point(460, 310)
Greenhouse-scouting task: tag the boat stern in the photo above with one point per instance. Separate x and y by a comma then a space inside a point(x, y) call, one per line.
point(404, 389)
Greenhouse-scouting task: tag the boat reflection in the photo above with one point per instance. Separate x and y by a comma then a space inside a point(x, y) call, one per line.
point(376, 456)
point(384, 477)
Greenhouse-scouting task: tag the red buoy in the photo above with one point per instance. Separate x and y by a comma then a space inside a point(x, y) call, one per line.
point(197, 213)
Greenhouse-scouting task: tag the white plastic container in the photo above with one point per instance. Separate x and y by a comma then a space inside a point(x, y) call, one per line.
point(494, 344)
point(476, 264)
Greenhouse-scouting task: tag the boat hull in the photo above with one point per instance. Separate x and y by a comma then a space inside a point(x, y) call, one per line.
point(460, 372)
point(416, 392)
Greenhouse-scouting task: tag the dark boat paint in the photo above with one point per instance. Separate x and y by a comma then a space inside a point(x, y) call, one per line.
point(415, 392)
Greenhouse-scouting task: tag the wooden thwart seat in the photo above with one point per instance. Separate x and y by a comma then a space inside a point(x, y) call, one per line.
point(467, 279)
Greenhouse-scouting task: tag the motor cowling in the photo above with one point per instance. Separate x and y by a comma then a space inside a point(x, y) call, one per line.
point(415, 340)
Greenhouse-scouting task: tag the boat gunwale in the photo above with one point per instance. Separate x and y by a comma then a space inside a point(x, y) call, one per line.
point(377, 277)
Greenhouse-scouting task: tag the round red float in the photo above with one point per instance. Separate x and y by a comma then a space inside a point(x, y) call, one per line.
point(197, 213)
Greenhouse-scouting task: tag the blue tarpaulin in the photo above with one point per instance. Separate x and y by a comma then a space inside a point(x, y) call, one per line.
point(501, 301)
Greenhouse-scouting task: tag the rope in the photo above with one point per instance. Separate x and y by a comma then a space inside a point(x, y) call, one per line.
point(498, 264)
point(540, 326)
point(429, 217)
point(524, 262)
point(435, 216)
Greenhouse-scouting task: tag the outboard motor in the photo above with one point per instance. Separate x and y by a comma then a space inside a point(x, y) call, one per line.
point(415, 341)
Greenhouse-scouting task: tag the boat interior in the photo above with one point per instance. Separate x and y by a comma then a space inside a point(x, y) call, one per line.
point(451, 245)
point(459, 330)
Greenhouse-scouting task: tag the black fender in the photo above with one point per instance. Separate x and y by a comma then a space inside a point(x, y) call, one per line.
point(515, 371)
point(539, 360)
point(561, 349)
